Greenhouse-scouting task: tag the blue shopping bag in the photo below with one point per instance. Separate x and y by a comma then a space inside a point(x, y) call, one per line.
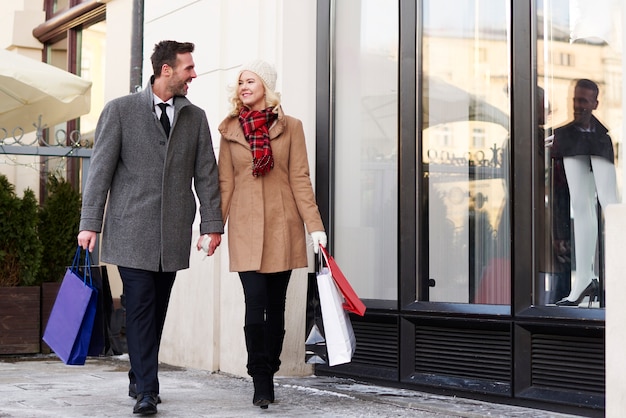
point(70, 325)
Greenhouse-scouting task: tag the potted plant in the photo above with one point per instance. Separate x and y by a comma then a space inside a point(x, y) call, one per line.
point(59, 217)
point(20, 260)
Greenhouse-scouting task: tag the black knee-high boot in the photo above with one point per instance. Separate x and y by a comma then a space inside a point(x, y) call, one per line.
point(258, 364)
point(274, 342)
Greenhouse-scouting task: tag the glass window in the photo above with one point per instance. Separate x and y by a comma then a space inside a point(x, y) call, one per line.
point(87, 50)
point(465, 143)
point(61, 5)
point(579, 77)
point(366, 145)
point(92, 64)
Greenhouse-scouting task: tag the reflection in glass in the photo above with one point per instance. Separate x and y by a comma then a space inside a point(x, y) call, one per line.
point(92, 64)
point(366, 139)
point(578, 40)
point(465, 135)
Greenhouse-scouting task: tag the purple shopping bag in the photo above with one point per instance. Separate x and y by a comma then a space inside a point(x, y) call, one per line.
point(69, 327)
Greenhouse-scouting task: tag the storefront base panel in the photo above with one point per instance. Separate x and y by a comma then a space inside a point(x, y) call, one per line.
point(569, 398)
point(548, 366)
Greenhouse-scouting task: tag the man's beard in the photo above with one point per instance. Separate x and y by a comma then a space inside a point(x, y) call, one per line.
point(180, 89)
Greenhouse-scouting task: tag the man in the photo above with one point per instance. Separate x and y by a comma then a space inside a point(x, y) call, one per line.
point(143, 175)
point(586, 150)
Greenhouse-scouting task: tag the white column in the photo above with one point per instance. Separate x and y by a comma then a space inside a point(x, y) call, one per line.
point(615, 286)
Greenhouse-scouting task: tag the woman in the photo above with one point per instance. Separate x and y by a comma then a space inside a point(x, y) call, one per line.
point(267, 195)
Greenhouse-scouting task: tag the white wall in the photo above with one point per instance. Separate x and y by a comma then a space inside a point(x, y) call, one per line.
point(615, 288)
point(117, 79)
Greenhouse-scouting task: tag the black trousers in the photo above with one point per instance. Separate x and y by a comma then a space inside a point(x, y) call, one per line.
point(147, 296)
point(265, 295)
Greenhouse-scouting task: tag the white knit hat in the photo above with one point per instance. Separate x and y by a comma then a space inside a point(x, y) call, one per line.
point(266, 71)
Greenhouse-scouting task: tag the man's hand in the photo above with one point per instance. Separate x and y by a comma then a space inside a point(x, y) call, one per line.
point(209, 243)
point(87, 240)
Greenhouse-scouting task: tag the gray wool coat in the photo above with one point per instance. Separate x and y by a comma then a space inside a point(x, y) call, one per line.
point(146, 181)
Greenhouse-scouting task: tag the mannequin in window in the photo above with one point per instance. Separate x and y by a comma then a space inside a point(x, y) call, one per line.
point(588, 159)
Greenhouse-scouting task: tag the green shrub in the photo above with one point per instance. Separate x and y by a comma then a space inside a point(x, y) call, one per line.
point(59, 218)
point(20, 247)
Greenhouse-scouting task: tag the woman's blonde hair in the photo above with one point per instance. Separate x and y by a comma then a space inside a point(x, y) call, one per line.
point(272, 98)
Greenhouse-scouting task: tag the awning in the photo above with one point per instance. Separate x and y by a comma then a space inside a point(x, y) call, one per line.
point(30, 88)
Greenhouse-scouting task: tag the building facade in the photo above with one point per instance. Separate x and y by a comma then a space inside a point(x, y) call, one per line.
point(430, 127)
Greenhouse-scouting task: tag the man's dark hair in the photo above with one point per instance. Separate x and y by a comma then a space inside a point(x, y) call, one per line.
point(589, 85)
point(165, 52)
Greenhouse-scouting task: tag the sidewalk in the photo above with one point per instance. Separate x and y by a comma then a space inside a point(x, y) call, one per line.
point(43, 386)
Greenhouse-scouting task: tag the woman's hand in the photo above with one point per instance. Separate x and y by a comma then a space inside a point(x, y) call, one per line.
point(209, 243)
point(319, 238)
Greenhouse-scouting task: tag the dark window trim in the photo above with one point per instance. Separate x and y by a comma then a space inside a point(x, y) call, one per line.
point(523, 146)
point(324, 108)
point(410, 252)
point(83, 14)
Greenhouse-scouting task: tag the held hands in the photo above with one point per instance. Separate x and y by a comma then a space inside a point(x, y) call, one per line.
point(209, 243)
point(319, 237)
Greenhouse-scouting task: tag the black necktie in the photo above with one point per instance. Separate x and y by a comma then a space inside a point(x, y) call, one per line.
point(165, 121)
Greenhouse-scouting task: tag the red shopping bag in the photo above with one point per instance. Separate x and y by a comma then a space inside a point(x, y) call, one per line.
point(352, 302)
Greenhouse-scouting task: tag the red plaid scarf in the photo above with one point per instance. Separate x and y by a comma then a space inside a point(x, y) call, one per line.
point(255, 125)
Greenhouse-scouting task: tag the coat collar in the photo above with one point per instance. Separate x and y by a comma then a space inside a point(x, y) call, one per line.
point(231, 130)
point(179, 101)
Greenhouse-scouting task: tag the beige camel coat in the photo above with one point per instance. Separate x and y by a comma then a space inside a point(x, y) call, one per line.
point(266, 215)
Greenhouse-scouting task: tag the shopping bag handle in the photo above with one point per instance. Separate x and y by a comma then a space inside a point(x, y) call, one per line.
point(320, 261)
point(352, 301)
point(76, 264)
point(323, 254)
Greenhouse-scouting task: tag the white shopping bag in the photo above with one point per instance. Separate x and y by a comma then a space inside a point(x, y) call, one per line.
point(340, 340)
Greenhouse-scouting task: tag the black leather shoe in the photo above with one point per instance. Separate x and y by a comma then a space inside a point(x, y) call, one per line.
point(132, 392)
point(146, 404)
point(591, 290)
